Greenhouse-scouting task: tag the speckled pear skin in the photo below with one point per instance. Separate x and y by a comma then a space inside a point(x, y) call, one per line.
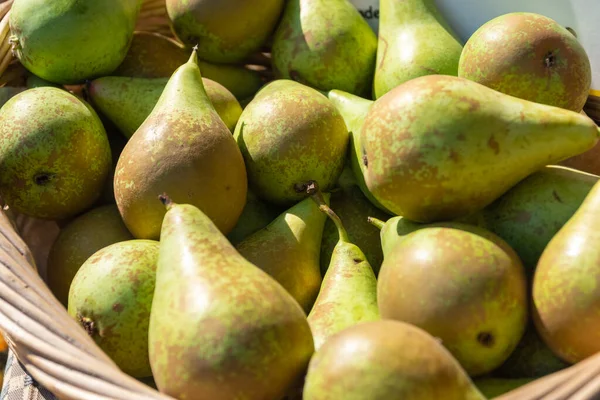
point(325, 44)
point(185, 149)
point(348, 294)
point(54, 154)
point(290, 134)
point(354, 110)
point(256, 215)
point(414, 40)
point(111, 297)
point(68, 41)
point(221, 328)
point(289, 248)
point(529, 215)
point(127, 102)
point(353, 208)
point(226, 31)
point(565, 294)
point(363, 362)
point(79, 240)
point(529, 56)
point(471, 288)
point(441, 147)
point(152, 55)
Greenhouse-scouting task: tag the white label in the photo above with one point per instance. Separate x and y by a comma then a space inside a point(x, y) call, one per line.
point(369, 9)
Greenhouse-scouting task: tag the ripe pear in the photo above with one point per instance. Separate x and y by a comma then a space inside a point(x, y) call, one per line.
point(565, 296)
point(348, 293)
point(79, 240)
point(256, 215)
point(441, 147)
point(54, 154)
point(354, 109)
point(529, 215)
point(185, 148)
point(325, 44)
point(289, 248)
point(111, 297)
point(68, 41)
point(471, 290)
point(353, 208)
point(226, 31)
point(152, 55)
point(289, 134)
point(220, 328)
point(382, 360)
point(127, 102)
point(414, 40)
point(530, 56)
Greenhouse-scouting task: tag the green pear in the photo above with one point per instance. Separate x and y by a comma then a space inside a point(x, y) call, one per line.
point(494, 387)
point(78, 241)
point(382, 360)
point(289, 134)
point(353, 208)
point(68, 41)
point(529, 215)
point(565, 296)
point(54, 154)
point(111, 297)
point(530, 56)
point(220, 328)
point(152, 55)
point(256, 215)
point(441, 147)
point(354, 109)
point(289, 248)
point(348, 293)
point(127, 102)
point(183, 147)
point(227, 31)
point(34, 81)
point(325, 44)
point(414, 40)
point(470, 288)
point(531, 359)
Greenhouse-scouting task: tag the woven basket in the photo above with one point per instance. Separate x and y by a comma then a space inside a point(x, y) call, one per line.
point(61, 357)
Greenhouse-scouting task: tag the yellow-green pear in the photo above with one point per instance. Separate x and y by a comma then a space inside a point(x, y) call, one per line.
point(256, 215)
point(220, 328)
point(183, 147)
point(440, 147)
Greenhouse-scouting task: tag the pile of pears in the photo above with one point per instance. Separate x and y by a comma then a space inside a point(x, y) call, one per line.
point(374, 216)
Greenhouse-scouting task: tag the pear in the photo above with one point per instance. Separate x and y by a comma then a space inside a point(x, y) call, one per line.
point(354, 109)
point(441, 147)
point(288, 249)
point(494, 387)
point(68, 41)
point(152, 55)
point(34, 81)
point(529, 56)
point(111, 297)
point(529, 215)
point(54, 154)
point(565, 295)
point(79, 240)
point(325, 44)
point(414, 40)
point(471, 290)
point(383, 360)
point(586, 162)
point(353, 209)
point(183, 147)
point(256, 215)
point(348, 293)
point(289, 134)
point(227, 31)
point(220, 328)
point(127, 102)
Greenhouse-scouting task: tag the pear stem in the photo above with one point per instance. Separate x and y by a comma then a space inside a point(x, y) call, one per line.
point(166, 200)
point(312, 189)
point(377, 223)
